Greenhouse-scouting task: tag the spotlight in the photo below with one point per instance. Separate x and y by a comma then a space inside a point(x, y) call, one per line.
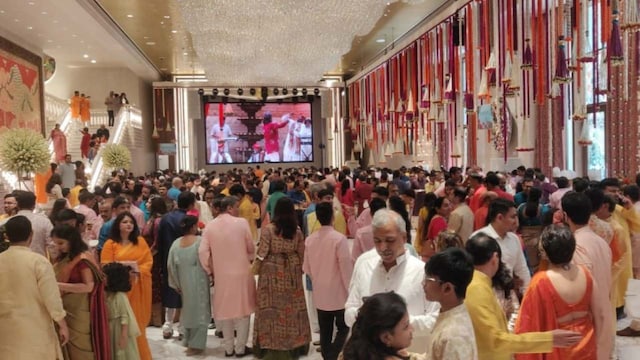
point(310, 98)
point(304, 92)
point(294, 91)
point(264, 93)
point(285, 91)
point(252, 91)
point(200, 92)
point(316, 91)
point(215, 92)
point(226, 92)
point(240, 91)
point(279, 101)
point(276, 91)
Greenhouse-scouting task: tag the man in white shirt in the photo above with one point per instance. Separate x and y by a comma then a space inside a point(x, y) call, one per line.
point(389, 268)
point(41, 225)
point(503, 219)
point(221, 156)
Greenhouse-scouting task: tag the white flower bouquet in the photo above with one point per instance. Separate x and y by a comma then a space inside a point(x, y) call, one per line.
point(116, 156)
point(24, 151)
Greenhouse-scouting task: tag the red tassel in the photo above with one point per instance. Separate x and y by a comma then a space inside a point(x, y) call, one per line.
point(616, 57)
point(527, 56)
point(562, 73)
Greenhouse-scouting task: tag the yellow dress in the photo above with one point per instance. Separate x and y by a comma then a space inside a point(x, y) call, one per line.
point(251, 212)
point(140, 294)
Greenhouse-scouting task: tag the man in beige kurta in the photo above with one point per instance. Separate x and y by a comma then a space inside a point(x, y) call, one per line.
point(226, 252)
point(29, 300)
point(593, 252)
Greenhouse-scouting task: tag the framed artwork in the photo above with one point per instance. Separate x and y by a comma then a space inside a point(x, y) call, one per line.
point(21, 88)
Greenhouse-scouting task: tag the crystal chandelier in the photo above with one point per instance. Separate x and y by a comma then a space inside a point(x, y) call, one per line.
point(287, 42)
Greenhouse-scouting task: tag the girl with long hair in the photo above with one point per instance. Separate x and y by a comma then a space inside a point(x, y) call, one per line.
point(123, 327)
point(382, 330)
point(435, 223)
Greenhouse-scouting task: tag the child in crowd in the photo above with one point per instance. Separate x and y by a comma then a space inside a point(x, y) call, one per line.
point(122, 323)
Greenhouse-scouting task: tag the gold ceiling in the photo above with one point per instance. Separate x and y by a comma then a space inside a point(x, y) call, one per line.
point(156, 27)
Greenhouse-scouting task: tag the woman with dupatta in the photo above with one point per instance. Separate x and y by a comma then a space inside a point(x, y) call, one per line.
point(81, 284)
point(281, 327)
point(126, 246)
point(560, 298)
point(59, 140)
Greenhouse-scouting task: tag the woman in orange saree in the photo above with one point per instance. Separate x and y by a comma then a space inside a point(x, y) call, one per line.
point(126, 246)
point(82, 286)
point(560, 298)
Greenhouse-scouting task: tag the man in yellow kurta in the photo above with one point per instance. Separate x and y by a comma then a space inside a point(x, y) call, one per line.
point(339, 222)
point(489, 323)
point(30, 300)
point(247, 209)
point(74, 105)
point(629, 220)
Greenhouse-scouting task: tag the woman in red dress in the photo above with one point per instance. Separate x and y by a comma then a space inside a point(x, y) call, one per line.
point(560, 298)
point(435, 223)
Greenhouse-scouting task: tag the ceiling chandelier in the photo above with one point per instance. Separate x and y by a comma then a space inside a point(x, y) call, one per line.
point(286, 42)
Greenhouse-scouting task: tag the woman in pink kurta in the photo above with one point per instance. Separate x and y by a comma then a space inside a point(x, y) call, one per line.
point(59, 140)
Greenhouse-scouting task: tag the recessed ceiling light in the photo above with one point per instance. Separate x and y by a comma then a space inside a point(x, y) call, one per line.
point(49, 41)
point(167, 17)
point(185, 53)
point(86, 56)
point(174, 31)
point(16, 20)
point(380, 40)
point(1, 11)
point(161, 22)
point(163, 69)
point(29, 27)
point(74, 35)
point(129, 16)
point(81, 41)
point(31, 3)
point(150, 42)
point(55, 21)
point(44, 13)
point(93, 61)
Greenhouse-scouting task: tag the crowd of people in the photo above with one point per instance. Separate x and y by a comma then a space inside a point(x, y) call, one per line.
point(443, 264)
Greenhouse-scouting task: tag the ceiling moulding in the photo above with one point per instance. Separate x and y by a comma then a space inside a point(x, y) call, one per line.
point(445, 11)
point(141, 65)
point(276, 42)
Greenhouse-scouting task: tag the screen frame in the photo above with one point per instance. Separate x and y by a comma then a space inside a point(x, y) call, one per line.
point(309, 102)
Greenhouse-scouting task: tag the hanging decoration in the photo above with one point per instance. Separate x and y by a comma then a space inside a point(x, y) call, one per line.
point(585, 136)
point(631, 15)
point(614, 47)
point(154, 133)
point(527, 56)
point(562, 72)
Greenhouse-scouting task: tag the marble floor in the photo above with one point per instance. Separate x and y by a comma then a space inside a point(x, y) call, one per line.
point(171, 349)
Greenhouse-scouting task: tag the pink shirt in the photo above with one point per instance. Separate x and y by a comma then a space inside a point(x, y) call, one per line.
point(327, 261)
point(138, 215)
point(555, 199)
point(363, 242)
point(90, 217)
point(593, 252)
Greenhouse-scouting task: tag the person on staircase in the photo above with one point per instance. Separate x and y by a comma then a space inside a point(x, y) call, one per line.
point(85, 143)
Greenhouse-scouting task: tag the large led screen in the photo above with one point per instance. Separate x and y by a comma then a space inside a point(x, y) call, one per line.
point(253, 132)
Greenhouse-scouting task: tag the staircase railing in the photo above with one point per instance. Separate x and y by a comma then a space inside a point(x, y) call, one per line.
point(127, 117)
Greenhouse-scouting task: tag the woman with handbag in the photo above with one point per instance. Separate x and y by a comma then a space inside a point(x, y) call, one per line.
point(281, 326)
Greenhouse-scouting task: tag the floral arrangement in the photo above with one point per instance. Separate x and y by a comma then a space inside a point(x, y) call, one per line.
point(116, 156)
point(23, 151)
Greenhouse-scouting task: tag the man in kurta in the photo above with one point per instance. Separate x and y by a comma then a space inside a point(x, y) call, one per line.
point(247, 209)
point(447, 275)
point(226, 253)
point(593, 252)
point(85, 109)
point(327, 260)
point(629, 219)
point(74, 105)
point(494, 340)
point(30, 300)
